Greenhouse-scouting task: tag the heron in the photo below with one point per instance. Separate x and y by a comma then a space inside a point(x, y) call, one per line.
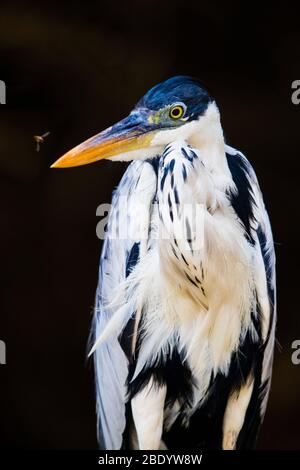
point(183, 329)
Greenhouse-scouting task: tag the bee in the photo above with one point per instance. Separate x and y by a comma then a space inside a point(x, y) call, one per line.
point(39, 139)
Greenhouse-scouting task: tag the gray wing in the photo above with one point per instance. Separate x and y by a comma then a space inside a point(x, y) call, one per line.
point(250, 208)
point(123, 245)
point(265, 281)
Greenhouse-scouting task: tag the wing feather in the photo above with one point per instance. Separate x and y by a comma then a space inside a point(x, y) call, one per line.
point(259, 233)
point(119, 256)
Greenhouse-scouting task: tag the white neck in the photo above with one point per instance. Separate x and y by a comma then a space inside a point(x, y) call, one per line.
point(208, 139)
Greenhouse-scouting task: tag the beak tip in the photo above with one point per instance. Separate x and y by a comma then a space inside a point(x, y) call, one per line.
point(60, 163)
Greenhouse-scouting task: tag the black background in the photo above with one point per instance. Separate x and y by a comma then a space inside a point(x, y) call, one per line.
point(74, 70)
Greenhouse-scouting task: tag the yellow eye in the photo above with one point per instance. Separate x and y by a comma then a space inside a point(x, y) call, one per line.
point(177, 111)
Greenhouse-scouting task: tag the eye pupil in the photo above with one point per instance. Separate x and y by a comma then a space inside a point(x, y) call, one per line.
point(176, 112)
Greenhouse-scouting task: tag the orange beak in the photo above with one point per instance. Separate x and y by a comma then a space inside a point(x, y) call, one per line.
point(130, 134)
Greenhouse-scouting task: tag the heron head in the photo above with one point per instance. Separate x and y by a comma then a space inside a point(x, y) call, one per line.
point(171, 110)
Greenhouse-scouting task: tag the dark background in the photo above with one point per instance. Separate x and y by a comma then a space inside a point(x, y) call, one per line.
point(73, 71)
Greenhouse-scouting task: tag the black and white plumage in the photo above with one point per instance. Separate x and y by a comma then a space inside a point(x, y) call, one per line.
point(184, 323)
